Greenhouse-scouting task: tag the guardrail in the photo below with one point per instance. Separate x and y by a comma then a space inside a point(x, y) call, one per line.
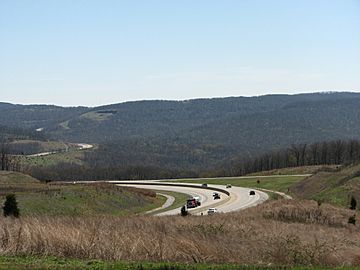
point(168, 184)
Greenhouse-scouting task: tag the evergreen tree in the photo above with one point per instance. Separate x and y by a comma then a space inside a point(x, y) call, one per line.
point(184, 211)
point(10, 206)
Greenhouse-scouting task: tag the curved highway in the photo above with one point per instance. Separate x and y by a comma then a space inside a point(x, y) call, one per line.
point(238, 198)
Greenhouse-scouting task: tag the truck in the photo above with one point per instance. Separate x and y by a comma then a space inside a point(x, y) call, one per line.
point(193, 202)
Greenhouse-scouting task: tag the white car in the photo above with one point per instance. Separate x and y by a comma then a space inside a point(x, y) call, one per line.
point(212, 211)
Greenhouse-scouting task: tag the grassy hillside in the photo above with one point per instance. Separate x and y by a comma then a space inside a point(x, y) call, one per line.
point(335, 187)
point(15, 178)
point(36, 198)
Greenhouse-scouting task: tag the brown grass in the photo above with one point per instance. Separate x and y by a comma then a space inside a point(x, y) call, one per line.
point(279, 232)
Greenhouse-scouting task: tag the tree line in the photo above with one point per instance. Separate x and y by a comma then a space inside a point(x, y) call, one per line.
point(323, 153)
point(8, 134)
point(75, 172)
point(8, 162)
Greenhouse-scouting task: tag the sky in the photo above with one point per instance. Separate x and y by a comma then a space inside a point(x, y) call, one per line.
point(87, 52)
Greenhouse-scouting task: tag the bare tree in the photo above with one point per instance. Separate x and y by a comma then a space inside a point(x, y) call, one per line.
point(298, 150)
point(338, 147)
point(8, 162)
point(324, 153)
point(314, 152)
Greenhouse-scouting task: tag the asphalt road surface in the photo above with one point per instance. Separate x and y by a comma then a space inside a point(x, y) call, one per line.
point(238, 199)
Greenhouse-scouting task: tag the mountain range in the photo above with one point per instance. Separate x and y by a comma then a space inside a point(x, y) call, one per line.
point(194, 133)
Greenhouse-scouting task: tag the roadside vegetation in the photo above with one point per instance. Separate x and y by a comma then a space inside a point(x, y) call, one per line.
point(278, 233)
point(28, 263)
point(296, 170)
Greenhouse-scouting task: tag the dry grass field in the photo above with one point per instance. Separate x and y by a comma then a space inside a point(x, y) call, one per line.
point(275, 233)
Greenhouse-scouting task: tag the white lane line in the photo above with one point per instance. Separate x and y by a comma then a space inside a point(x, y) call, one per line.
point(239, 198)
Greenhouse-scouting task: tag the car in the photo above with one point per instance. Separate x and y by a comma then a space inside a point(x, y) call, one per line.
point(215, 193)
point(217, 196)
point(228, 186)
point(204, 185)
point(252, 192)
point(212, 211)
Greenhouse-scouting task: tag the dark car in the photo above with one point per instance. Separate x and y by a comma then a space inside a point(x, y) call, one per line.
point(217, 196)
point(204, 185)
point(252, 192)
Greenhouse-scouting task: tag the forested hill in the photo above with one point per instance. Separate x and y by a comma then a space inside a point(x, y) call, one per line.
point(195, 132)
point(232, 120)
point(8, 134)
point(36, 116)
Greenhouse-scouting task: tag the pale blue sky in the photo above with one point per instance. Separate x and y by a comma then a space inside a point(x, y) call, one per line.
point(83, 52)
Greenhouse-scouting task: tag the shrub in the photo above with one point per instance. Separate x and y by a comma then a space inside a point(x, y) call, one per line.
point(352, 220)
point(184, 211)
point(10, 206)
point(319, 202)
point(353, 203)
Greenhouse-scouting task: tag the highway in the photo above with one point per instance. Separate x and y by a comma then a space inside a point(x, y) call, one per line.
point(238, 198)
point(80, 146)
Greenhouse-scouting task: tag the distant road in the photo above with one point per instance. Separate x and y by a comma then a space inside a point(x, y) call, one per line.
point(238, 198)
point(80, 146)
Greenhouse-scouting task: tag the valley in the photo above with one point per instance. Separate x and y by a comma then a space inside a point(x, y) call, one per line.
point(108, 182)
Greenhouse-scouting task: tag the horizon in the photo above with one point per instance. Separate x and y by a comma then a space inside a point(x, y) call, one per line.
point(101, 52)
point(184, 100)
